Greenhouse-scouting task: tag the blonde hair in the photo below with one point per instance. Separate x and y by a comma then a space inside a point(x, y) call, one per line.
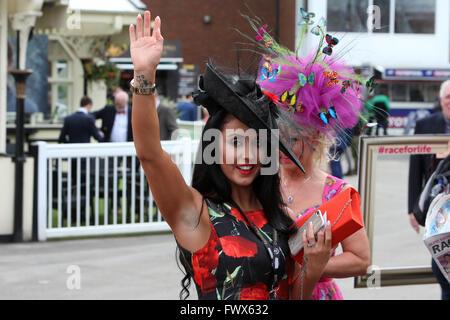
point(318, 141)
point(322, 152)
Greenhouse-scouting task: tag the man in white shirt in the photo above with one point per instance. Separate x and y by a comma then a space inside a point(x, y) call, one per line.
point(116, 120)
point(120, 127)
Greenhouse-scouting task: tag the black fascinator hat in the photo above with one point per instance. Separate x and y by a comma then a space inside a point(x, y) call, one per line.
point(243, 99)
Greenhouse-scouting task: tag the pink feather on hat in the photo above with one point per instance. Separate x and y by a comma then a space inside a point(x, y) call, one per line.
point(313, 98)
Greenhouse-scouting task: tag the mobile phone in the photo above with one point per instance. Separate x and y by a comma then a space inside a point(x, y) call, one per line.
point(295, 241)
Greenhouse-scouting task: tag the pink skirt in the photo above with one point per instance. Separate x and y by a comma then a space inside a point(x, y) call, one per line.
point(327, 289)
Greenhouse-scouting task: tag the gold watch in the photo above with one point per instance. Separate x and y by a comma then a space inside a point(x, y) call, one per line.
point(142, 90)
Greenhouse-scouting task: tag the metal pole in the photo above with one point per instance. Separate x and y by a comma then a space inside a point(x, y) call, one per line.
point(20, 77)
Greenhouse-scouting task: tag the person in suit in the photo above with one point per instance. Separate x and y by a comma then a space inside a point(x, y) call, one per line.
point(187, 109)
point(422, 166)
point(79, 127)
point(116, 119)
point(167, 120)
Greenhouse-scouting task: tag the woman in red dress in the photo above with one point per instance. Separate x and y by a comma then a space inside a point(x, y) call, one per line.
point(230, 226)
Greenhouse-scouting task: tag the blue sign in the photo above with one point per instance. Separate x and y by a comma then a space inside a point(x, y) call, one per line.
point(417, 74)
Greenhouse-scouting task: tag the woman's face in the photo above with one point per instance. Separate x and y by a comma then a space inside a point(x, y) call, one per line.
point(302, 149)
point(239, 147)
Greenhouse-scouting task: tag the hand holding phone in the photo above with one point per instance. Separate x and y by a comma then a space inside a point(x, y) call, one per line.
point(319, 222)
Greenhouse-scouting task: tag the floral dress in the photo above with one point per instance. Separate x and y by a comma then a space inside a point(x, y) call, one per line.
point(326, 288)
point(235, 263)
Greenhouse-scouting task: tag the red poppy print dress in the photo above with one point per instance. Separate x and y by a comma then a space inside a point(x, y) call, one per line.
point(235, 264)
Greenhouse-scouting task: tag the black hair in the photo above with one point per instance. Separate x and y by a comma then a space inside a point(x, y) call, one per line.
point(211, 182)
point(85, 101)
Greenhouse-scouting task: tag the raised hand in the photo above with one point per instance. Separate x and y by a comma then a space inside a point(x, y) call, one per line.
point(145, 48)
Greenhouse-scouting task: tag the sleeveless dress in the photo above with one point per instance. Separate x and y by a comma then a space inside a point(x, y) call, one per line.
point(235, 263)
point(326, 288)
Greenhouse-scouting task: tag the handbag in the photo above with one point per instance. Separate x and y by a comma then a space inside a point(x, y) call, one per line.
point(344, 213)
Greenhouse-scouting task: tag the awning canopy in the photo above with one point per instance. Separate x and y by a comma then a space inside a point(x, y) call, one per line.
point(89, 17)
point(121, 6)
point(161, 66)
point(171, 57)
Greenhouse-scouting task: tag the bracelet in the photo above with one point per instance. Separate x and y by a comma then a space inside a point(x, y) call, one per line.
point(142, 90)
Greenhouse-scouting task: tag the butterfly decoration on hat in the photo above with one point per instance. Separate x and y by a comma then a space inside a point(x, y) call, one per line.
point(303, 79)
point(261, 36)
point(261, 31)
point(331, 42)
point(346, 84)
point(333, 78)
point(288, 99)
point(267, 71)
point(319, 28)
point(290, 102)
point(325, 115)
point(370, 84)
point(319, 90)
point(306, 17)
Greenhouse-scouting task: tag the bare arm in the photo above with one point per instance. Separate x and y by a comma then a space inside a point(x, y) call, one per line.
point(355, 258)
point(179, 204)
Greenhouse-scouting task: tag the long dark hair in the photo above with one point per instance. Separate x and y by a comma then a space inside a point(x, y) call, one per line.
point(211, 182)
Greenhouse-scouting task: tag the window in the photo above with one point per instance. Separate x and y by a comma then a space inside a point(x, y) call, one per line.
point(60, 89)
point(416, 93)
point(61, 69)
point(382, 88)
point(347, 15)
point(432, 92)
point(415, 16)
point(399, 16)
point(384, 16)
point(399, 92)
point(413, 92)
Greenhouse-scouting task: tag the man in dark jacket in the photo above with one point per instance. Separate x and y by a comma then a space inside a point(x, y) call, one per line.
point(79, 127)
point(167, 120)
point(116, 119)
point(422, 166)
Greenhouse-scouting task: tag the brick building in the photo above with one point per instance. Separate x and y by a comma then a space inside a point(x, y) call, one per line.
point(187, 21)
point(206, 28)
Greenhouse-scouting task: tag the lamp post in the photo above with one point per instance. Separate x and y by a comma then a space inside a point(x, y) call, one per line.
point(20, 77)
point(23, 15)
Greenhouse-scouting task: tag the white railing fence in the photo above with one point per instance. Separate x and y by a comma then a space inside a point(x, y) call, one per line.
point(100, 189)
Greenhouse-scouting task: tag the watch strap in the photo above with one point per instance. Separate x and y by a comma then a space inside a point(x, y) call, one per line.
point(142, 90)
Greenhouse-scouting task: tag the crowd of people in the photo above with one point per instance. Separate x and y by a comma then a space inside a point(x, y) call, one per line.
point(115, 125)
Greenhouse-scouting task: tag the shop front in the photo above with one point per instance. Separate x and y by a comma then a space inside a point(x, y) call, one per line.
point(167, 71)
point(413, 92)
